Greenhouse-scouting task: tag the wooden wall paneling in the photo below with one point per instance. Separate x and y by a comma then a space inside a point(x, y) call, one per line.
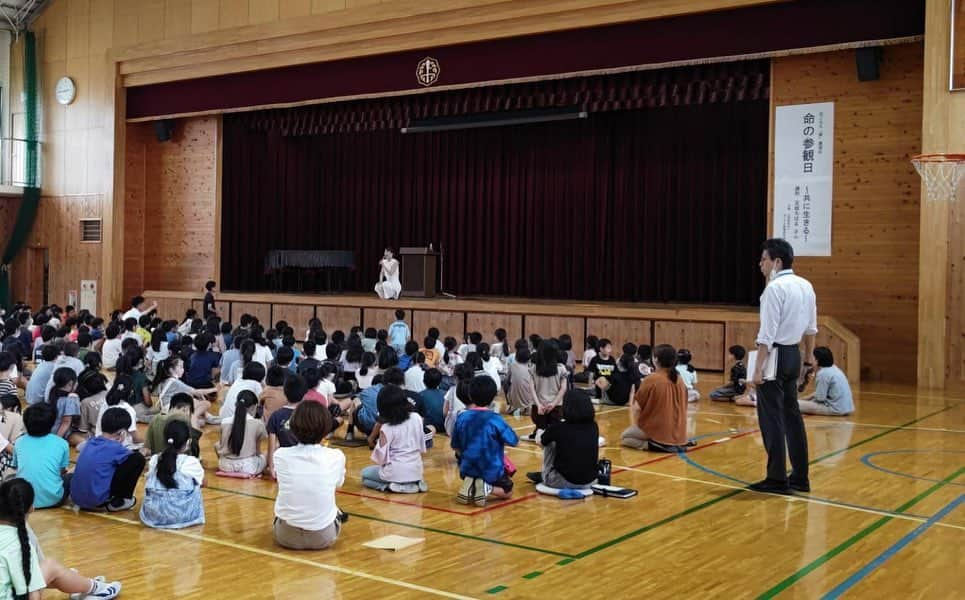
point(181, 183)
point(171, 309)
point(838, 347)
point(288, 9)
point(381, 318)
point(335, 318)
point(870, 283)
point(297, 316)
point(260, 310)
point(488, 323)
point(740, 333)
point(448, 322)
point(554, 326)
point(704, 340)
point(619, 331)
point(233, 13)
point(134, 211)
point(198, 305)
point(262, 11)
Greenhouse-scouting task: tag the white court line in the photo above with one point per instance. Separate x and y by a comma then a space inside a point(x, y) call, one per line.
point(294, 559)
point(789, 498)
point(912, 396)
point(840, 422)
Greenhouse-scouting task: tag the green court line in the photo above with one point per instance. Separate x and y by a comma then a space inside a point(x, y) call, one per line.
point(565, 561)
point(422, 527)
point(532, 575)
point(854, 539)
point(497, 589)
point(714, 501)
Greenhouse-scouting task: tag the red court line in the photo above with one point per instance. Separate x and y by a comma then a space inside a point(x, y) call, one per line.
point(701, 447)
point(503, 504)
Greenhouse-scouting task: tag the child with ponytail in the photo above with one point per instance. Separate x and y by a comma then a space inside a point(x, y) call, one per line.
point(67, 404)
point(120, 396)
point(239, 450)
point(172, 494)
point(26, 571)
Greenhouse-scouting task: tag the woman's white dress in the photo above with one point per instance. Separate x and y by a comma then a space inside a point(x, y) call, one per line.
point(388, 287)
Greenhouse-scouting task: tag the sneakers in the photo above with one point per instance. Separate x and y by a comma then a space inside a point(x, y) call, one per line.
point(423, 486)
point(404, 488)
point(535, 476)
point(82, 595)
point(105, 591)
point(127, 504)
point(601, 441)
point(473, 490)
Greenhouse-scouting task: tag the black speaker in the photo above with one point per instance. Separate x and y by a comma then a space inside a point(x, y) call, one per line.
point(163, 129)
point(867, 61)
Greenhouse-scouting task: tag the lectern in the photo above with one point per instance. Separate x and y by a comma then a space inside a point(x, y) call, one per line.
point(419, 272)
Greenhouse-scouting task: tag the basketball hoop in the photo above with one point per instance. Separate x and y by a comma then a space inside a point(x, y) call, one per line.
point(941, 174)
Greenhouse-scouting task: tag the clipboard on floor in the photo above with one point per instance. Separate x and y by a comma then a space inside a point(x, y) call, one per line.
point(770, 367)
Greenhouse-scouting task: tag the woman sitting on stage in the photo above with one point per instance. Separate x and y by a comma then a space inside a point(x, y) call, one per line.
point(388, 287)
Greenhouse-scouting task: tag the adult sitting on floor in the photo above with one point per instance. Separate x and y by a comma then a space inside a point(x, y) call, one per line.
point(658, 413)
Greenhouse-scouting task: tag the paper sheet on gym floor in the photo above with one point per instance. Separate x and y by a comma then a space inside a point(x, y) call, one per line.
point(393, 542)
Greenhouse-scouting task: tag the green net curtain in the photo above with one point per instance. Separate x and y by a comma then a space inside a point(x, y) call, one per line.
point(31, 193)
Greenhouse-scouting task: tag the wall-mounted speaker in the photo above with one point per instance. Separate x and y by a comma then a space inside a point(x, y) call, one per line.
point(163, 129)
point(867, 61)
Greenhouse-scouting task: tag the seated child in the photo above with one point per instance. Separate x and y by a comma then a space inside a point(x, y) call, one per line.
point(571, 448)
point(239, 450)
point(11, 422)
point(433, 400)
point(172, 493)
point(479, 437)
point(43, 457)
point(519, 379)
point(106, 472)
point(182, 406)
point(457, 398)
point(278, 427)
point(398, 444)
point(688, 373)
point(67, 404)
point(273, 396)
point(306, 516)
point(738, 373)
point(832, 392)
point(122, 392)
point(27, 571)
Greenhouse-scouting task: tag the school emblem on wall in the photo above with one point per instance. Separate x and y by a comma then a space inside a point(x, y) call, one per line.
point(428, 71)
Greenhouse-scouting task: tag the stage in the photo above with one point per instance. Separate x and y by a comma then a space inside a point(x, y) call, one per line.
point(706, 330)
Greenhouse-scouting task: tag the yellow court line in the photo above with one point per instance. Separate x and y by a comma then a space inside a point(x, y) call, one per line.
point(302, 561)
point(790, 498)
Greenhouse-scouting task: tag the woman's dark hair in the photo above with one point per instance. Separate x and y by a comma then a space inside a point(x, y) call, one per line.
point(684, 357)
point(62, 377)
point(247, 352)
point(501, 338)
point(482, 349)
point(16, 500)
point(577, 407)
point(310, 422)
point(592, 343)
point(666, 358)
point(176, 436)
point(368, 361)
point(122, 389)
point(824, 356)
point(778, 248)
point(246, 399)
point(163, 372)
point(388, 359)
point(547, 359)
point(450, 344)
point(394, 407)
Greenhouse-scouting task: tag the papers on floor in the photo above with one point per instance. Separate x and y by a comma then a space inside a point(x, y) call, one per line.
point(393, 542)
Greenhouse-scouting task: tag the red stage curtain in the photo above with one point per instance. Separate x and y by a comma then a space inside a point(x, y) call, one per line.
point(653, 204)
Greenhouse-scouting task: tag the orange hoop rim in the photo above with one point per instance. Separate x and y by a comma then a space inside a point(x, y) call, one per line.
point(938, 158)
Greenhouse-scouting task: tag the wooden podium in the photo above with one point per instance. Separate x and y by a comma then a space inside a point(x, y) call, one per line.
point(418, 275)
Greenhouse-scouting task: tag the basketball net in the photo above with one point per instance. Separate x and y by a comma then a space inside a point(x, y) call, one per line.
point(941, 174)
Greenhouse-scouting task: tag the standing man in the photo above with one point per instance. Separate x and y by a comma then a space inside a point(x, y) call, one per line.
point(210, 310)
point(788, 313)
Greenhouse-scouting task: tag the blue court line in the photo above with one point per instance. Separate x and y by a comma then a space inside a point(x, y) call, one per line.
point(883, 511)
point(879, 560)
point(866, 459)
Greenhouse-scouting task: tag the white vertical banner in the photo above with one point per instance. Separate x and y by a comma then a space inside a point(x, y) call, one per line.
point(803, 169)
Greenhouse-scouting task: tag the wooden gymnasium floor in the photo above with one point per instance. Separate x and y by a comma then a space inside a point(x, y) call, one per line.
point(883, 520)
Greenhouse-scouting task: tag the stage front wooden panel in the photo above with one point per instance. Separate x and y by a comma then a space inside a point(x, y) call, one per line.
point(171, 308)
point(381, 318)
point(488, 323)
point(619, 331)
point(336, 318)
point(555, 326)
point(255, 309)
point(198, 305)
point(704, 340)
point(740, 333)
point(449, 322)
point(297, 316)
